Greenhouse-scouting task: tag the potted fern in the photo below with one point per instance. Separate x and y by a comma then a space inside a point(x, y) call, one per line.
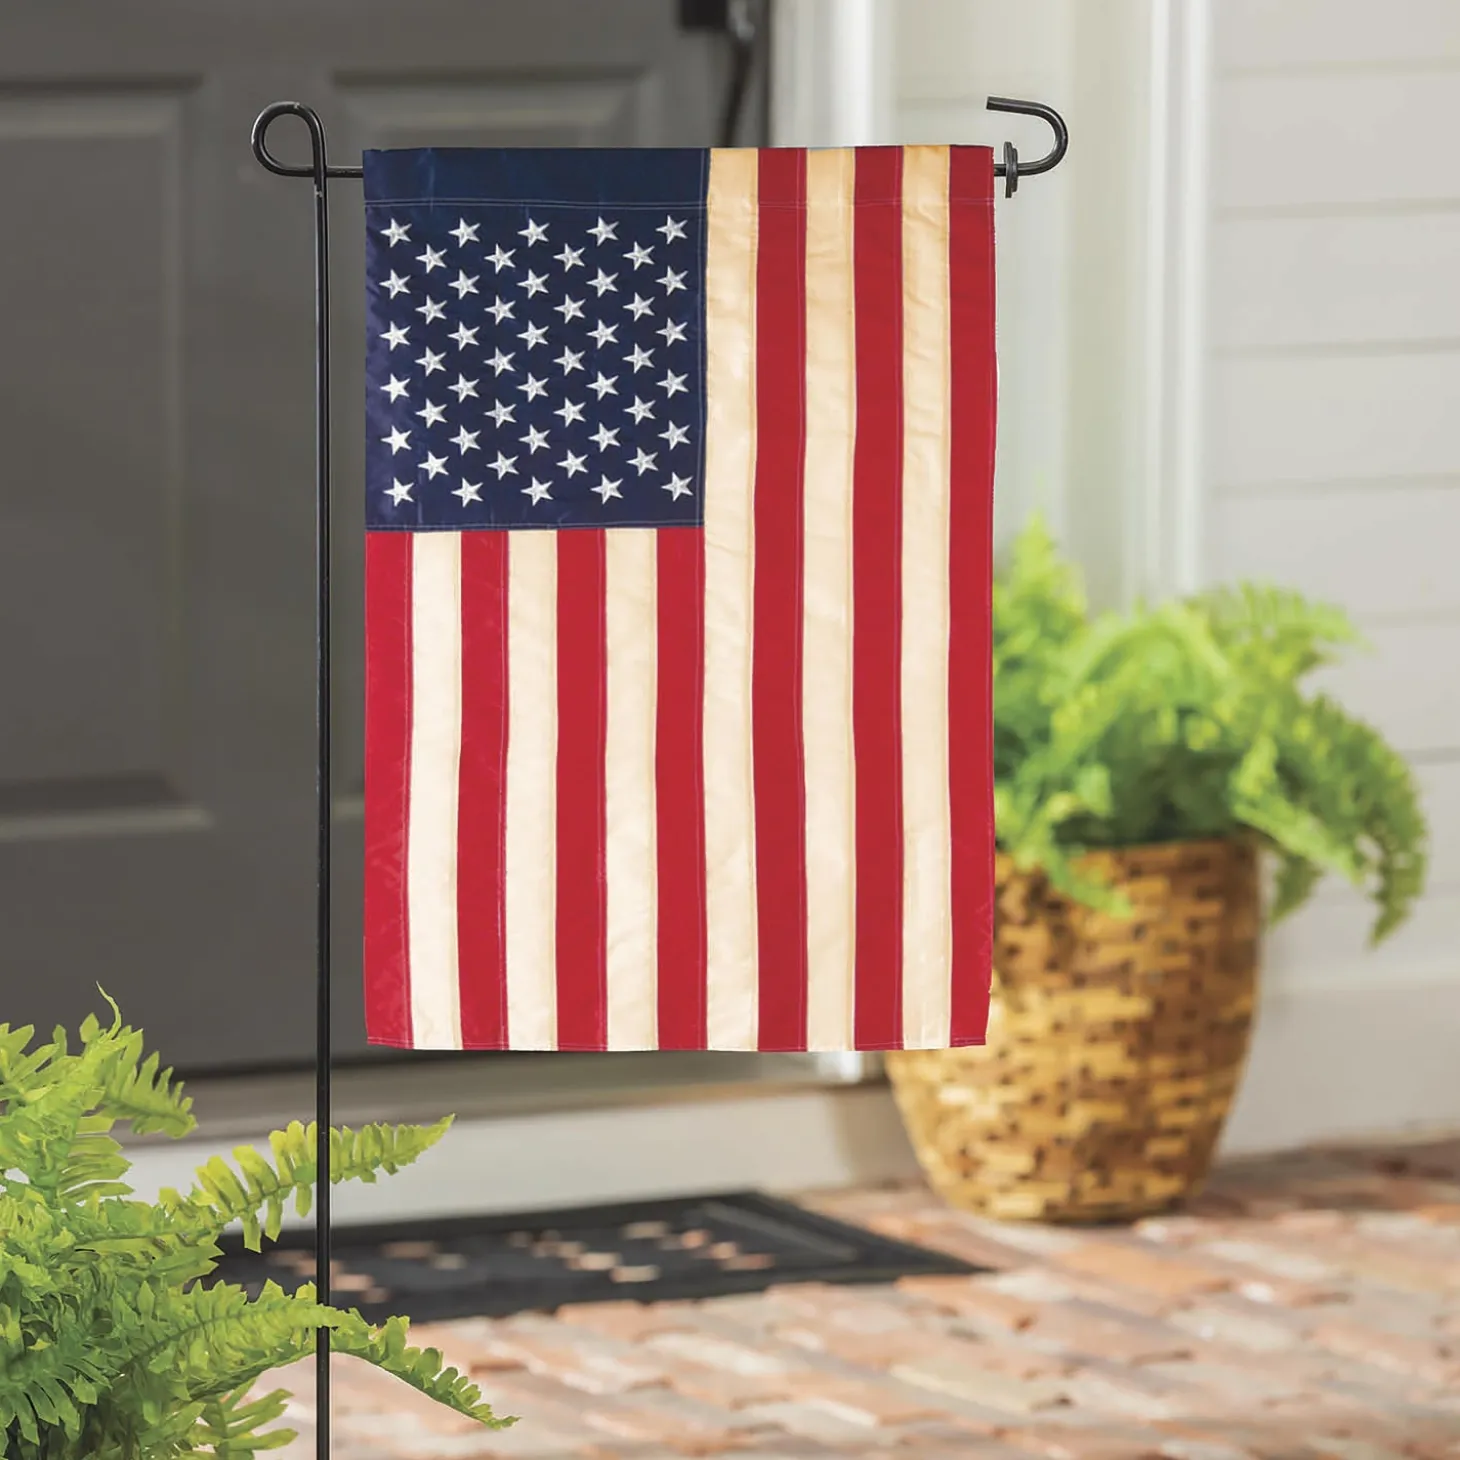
point(110, 1347)
point(1148, 767)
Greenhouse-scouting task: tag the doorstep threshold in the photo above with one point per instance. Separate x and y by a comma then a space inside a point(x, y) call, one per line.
point(474, 1087)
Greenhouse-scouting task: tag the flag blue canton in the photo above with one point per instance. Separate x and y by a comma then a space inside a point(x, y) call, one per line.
point(535, 338)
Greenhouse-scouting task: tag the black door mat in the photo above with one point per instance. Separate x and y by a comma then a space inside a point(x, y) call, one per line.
point(653, 1251)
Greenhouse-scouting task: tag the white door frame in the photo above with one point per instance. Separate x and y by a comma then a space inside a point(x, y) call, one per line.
point(832, 72)
point(1138, 179)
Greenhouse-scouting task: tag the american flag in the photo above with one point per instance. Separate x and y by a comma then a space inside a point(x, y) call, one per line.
point(679, 486)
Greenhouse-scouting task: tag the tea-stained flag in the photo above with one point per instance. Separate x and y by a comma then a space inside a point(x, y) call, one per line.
point(679, 496)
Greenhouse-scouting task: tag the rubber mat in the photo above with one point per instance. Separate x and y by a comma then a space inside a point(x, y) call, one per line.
point(649, 1251)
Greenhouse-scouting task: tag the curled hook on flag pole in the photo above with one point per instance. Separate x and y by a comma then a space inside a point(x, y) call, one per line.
point(1011, 169)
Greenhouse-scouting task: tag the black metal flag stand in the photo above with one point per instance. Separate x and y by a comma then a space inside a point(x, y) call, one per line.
point(1011, 169)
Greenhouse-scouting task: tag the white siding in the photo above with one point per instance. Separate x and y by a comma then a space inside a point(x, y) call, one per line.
point(1348, 139)
point(1314, 418)
point(1334, 407)
point(1260, 35)
point(1288, 283)
point(1384, 552)
point(1407, 686)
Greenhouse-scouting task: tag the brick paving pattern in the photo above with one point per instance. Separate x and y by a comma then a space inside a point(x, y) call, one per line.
point(1305, 1308)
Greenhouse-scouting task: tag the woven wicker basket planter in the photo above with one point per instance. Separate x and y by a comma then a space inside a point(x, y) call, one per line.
point(1114, 1046)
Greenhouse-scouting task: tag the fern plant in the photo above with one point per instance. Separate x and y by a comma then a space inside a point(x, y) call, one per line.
point(110, 1347)
point(1188, 720)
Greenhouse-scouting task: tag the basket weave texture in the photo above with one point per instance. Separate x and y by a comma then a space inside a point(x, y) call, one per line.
point(1114, 1045)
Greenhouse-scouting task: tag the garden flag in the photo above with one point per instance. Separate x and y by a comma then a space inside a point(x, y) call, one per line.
point(678, 671)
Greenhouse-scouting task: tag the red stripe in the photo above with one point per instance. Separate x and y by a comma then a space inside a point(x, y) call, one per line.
point(582, 969)
point(387, 786)
point(877, 596)
point(482, 803)
point(679, 782)
point(779, 775)
point(970, 647)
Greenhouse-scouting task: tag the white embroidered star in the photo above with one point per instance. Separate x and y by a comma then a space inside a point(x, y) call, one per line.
point(638, 255)
point(537, 491)
point(640, 307)
point(395, 388)
point(570, 360)
point(604, 385)
point(500, 362)
point(672, 332)
point(673, 383)
point(604, 231)
point(468, 492)
point(533, 233)
point(433, 258)
point(396, 284)
point(501, 258)
point(432, 309)
point(641, 410)
point(677, 487)
point(604, 334)
point(501, 309)
point(603, 283)
point(570, 411)
point(463, 285)
point(672, 281)
point(534, 283)
point(431, 361)
point(573, 464)
point(570, 258)
point(603, 438)
point(501, 412)
point(465, 233)
point(675, 435)
point(396, 335)
point(671, 230)
point(642, 461)
point(463, 388)
point(533, 386)
point(465, 440)
point(397, 232)
point(534, 334)
point(399, 491)
point(433, 466)
point(607, 489)
point(640, 358)
point(569, 309)
point(535, 440)
point(464, 336)
point(397, 439)
point(431, 413)
point(504, 465)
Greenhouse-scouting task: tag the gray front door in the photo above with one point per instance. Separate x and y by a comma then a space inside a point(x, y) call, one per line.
point(156, 512)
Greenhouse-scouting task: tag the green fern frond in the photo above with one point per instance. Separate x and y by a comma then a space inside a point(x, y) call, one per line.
point(229, 1426)
point(1190, 720)
point(113, 1343)
point(422, 1369)
point(223, 1196)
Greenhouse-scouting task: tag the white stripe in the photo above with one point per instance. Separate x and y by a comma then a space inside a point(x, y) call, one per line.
point(927, 820)
point(826, 613)
point(435, 758)
point(732, 995)
point(531, 831)
point(630, 844)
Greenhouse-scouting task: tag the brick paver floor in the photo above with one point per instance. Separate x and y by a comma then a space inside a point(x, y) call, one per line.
point(1304, 1307)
